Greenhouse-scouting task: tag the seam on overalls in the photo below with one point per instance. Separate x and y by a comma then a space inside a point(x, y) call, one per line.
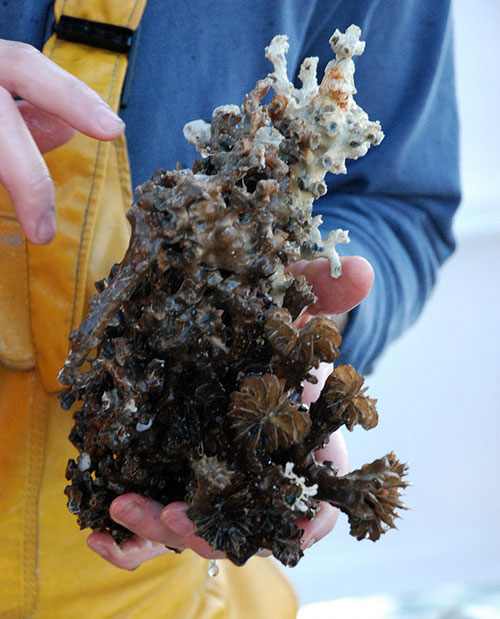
point(9, 216)
point(132, 12)
point(84, 226)
point(27, 363)
point(125, 186)
point(28, 296)
point(35, 465)
point(89, 200)
point(28, 307)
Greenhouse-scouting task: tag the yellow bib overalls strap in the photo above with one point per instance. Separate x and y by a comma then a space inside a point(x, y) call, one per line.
point(47, 570)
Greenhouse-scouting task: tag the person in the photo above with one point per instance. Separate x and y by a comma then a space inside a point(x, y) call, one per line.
point(397, 202)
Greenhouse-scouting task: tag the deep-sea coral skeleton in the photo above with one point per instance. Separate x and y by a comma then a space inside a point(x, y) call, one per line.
point(195, 368)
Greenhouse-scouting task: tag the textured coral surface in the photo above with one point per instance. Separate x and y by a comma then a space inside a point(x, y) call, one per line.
point(195, 368)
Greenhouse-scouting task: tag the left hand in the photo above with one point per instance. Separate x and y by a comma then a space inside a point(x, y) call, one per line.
point(156, 526)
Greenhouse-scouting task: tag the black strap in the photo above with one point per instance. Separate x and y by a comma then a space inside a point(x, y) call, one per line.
point(98, 34)
point(93, 33)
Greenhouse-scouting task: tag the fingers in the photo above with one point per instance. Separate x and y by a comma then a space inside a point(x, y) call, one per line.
point(327, 515)
point(317, 528)
point(48, 131)
point(55, 104)
point(32, 76)
point(337, 296)
point(336, 451)
point(149, 520)
point(25, 175)
point(175, 520)
point(142, 516)
point(130, 555)
point(312, 391)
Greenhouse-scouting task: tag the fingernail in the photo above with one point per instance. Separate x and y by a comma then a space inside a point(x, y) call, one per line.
point(178, 523)
point(132, 514)
point(46, 227)
point(108, 120)
point(308, 543)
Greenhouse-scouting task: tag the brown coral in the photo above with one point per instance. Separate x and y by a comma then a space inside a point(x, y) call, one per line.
point(265, 416)
point(196, 368)
point(369, 495)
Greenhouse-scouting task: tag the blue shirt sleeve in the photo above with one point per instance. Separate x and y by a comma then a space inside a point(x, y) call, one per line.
point(398, 201)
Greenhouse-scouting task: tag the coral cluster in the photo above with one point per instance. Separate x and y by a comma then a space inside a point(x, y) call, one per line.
point(193, 385)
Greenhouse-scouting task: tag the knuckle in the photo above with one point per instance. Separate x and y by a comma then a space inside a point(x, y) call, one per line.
point(15, 53)
point(39, 183)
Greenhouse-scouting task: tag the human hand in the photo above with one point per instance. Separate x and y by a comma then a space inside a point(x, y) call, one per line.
point(157, 529)
point(55, 104)
point(156, 526)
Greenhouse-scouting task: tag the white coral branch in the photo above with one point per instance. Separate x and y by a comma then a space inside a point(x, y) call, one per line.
point(306, 491)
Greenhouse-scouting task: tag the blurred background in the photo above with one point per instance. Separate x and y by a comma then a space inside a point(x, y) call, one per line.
point(439, 402)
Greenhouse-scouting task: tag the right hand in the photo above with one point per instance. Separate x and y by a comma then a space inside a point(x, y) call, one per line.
point(54, 105)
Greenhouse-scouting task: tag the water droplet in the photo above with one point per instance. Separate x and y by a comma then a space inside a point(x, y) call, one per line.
point(213, 568)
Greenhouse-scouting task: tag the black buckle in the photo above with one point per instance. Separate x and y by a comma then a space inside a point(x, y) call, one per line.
point(93, 33)
point(97, 34)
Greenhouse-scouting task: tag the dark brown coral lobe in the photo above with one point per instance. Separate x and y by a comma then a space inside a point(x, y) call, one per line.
point(196, 368)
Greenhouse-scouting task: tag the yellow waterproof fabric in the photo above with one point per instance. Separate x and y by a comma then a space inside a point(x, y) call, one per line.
point(46, 569)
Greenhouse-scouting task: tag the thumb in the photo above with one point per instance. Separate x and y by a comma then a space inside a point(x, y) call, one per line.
point(337, 296)
point(47, 130)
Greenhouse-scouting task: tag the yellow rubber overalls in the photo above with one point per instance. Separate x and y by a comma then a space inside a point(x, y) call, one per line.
point(46, 569)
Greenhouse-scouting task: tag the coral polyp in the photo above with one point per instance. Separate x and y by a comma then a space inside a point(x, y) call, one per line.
point(195, 369)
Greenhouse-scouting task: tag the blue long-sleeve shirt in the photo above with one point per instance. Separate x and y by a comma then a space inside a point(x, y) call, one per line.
point(397, 202)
